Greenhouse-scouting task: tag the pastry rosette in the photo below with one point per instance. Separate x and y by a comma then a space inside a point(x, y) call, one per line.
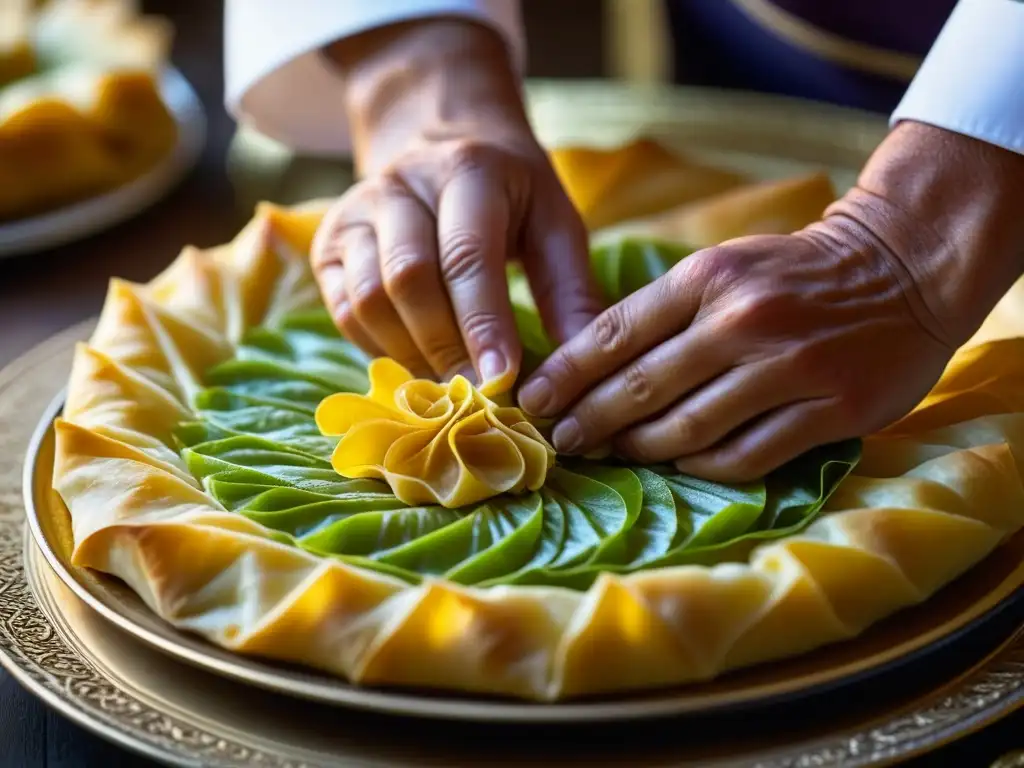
point(446, 444)
point(80, 109)
point(191, 463)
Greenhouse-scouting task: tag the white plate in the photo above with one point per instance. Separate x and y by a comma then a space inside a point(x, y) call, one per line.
point(96, 214)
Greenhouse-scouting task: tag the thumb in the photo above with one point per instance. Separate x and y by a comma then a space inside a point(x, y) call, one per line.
point(557, 265)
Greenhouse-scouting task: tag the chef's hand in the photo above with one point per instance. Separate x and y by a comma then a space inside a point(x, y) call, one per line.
point(411, 261)
point(750, 353)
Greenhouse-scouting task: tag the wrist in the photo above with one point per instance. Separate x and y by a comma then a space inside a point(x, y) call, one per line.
point(423, 79)
point(943, 205)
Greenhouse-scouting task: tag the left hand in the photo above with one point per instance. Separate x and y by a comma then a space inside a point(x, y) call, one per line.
point(746, 355)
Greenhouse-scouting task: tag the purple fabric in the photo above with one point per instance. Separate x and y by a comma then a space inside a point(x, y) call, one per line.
point(908, 26)
point(717, 44)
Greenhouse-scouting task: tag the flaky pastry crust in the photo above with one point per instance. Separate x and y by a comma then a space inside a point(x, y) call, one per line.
point(924, 505)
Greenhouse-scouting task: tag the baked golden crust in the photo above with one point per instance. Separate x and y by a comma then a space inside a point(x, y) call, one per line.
point(80, 109)
point(635, 180)
point(928, 501)
point(766, 208)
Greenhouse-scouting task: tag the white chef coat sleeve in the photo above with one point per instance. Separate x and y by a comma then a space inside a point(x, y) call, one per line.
point(278, 82)
point(972, 81)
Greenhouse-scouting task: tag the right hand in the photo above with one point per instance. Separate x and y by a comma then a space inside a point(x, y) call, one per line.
point(411, 260)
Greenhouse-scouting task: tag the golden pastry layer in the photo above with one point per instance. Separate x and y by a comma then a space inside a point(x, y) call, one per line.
point(929, 499)
point(638, 179)
point(446, 444)
point(766, 208)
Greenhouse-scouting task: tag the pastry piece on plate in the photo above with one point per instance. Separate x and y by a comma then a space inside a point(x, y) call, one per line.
point(433, 443)
point(113, 34)
point(17, 55)
point(640, 178)
point(194, 467)
point(87, 115)
point(76, 132)
point(766, 208)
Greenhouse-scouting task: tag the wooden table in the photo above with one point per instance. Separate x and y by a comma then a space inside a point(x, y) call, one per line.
point(45, 292)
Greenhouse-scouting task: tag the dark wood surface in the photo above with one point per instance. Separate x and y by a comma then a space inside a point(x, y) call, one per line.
point(43, 293)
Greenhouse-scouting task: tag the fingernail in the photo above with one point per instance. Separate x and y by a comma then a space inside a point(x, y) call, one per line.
point(492, 365)
point(567, 436)
point(536, 397)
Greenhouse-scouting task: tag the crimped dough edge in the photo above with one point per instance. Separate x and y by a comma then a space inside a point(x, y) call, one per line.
point(918, 511)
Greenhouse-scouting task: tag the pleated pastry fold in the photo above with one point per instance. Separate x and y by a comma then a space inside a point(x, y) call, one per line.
point(445, 444)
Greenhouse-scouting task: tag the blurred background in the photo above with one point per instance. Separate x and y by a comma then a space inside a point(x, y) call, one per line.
point(43, 293)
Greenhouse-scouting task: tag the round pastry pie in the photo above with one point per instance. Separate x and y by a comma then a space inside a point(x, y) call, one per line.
point(80, 110)
point(259, 481)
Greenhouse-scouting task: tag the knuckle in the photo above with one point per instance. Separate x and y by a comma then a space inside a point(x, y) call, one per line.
point(462, 256)
point(637, 383)
point(367, 298)
point(722, 264)
point(390, 183)
point(686, 429)
point(326, 247)
point(325, 251)
point(343, 315)
point(743, 310)
point(343, 210)
point(405, 272)
point(346, 321)
point(481, 327)
point(631, 444)
point(446, 358)
point(347, 210)
point(469, 156)
point(610, 334)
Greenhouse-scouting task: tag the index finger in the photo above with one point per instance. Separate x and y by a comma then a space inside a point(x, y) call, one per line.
point(616, 337)
point(473, 233)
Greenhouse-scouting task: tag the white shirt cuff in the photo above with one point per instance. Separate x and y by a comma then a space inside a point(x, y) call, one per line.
point(972, 81)
point(277, 82)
